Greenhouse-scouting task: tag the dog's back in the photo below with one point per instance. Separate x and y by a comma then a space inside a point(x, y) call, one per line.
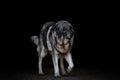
point(45, 33)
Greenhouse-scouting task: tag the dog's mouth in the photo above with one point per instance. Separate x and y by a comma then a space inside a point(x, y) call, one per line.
point(62, 45)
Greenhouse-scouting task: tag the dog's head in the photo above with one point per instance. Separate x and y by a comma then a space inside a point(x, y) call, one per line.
point(63, 34)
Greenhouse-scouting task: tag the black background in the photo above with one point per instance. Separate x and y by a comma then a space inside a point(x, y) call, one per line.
point(95, 43)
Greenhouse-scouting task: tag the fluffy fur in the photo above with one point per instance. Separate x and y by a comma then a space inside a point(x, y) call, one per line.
point(56, 39)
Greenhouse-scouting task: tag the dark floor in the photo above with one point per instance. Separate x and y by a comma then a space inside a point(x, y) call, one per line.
point(77, 74)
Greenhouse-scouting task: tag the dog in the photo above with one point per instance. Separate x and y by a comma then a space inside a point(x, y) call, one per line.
point(55, 38)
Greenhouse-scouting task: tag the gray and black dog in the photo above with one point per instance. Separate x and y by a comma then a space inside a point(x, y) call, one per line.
point(56, 39)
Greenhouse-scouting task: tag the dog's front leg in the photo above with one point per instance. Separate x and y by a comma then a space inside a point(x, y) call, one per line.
point(62, 65)
point(55, 63)
point(68, 58)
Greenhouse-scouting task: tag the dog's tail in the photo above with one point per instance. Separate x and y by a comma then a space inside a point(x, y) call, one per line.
point(35, 39)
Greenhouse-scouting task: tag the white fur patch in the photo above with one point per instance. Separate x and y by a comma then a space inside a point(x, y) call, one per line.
point(48, 41)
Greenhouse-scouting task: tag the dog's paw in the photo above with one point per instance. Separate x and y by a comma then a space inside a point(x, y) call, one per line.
point(41, 74)
point(65, 74)
point(69, 69)
point(57, 75)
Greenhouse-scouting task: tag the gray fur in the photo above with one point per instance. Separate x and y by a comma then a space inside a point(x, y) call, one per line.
point(57, 39)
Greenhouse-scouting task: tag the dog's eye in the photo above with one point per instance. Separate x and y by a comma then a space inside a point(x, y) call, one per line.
point(58, 35)
point(58, 31)
point(68, 36)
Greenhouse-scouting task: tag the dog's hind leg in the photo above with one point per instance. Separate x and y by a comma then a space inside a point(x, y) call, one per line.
point(42, 54)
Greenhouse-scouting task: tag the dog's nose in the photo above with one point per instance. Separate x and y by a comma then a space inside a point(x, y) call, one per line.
point(61, 37)
point(60, 41)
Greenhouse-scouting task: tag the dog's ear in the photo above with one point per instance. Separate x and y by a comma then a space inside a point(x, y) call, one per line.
point(35, 39)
